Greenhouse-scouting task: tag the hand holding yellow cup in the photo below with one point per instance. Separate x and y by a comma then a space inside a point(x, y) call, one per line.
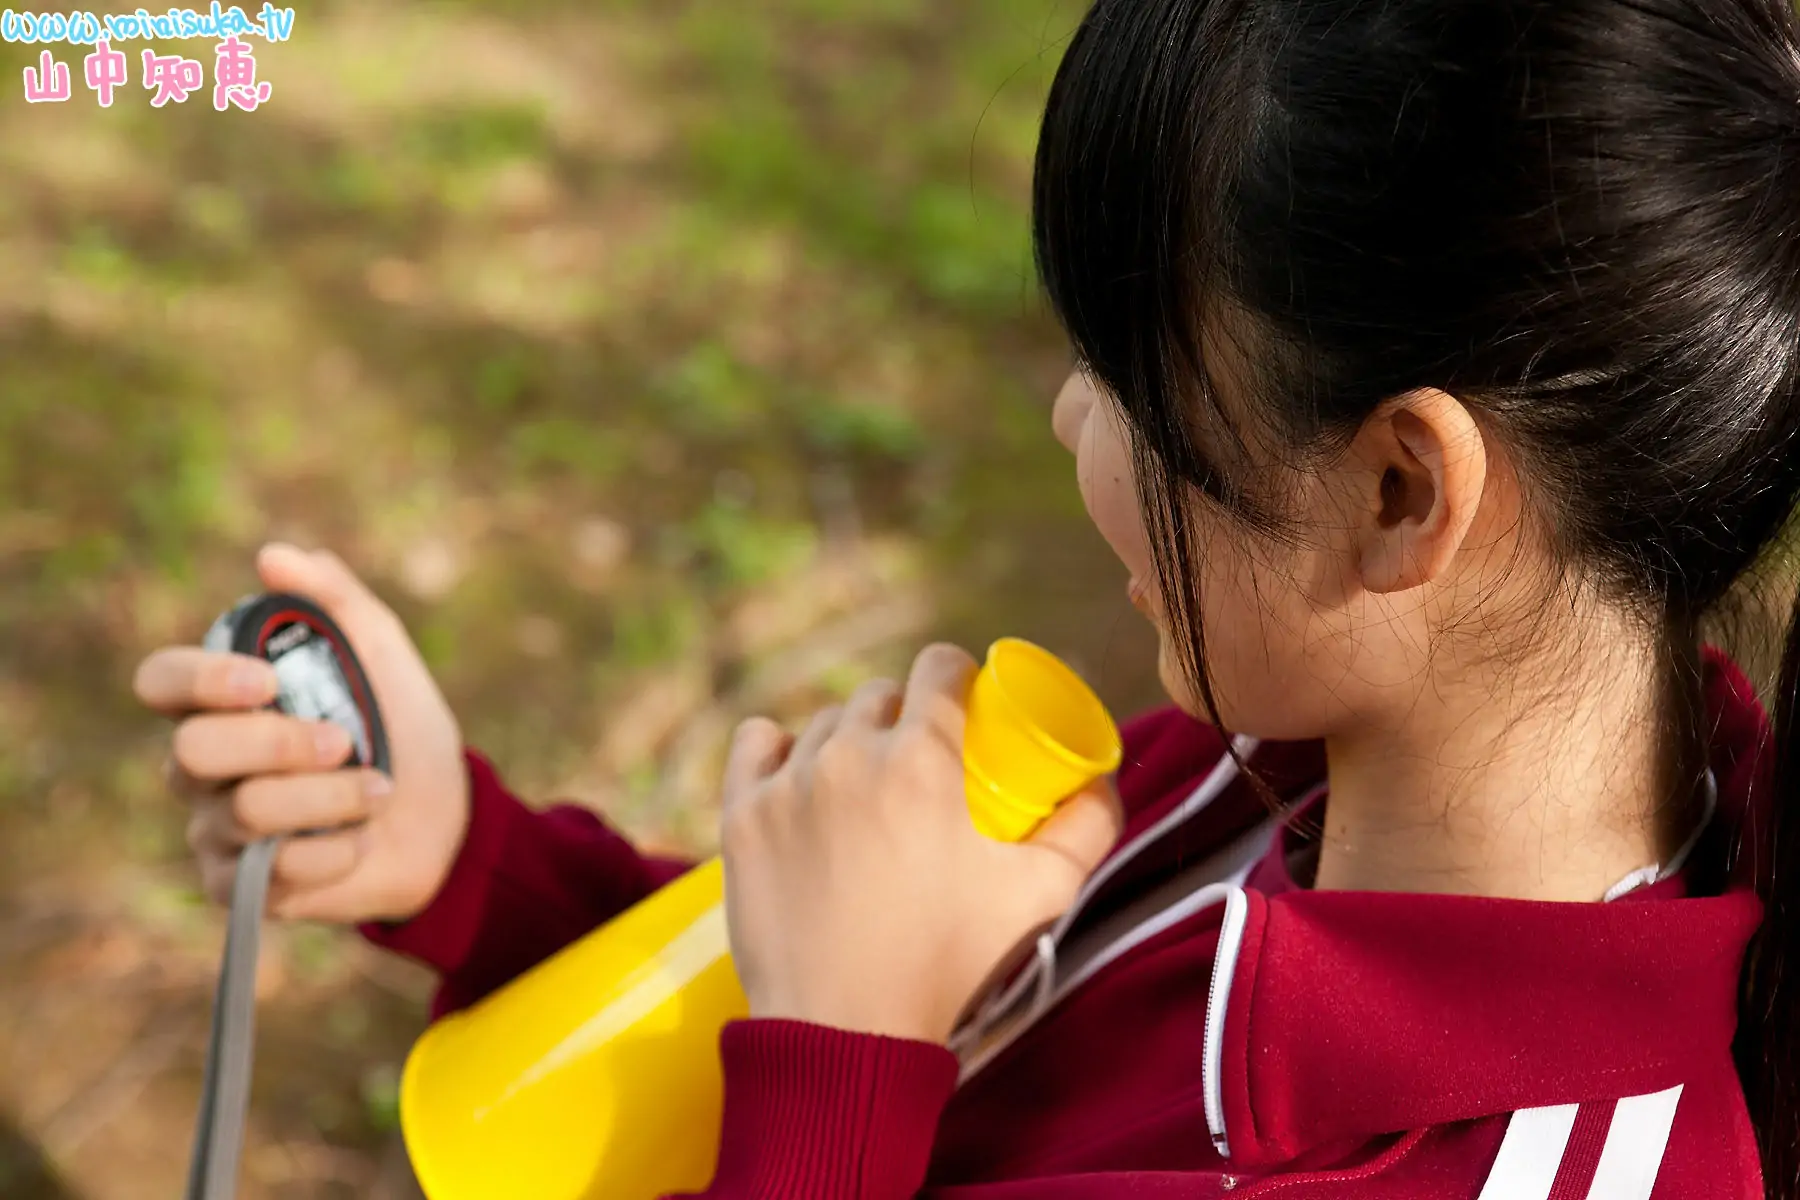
point(596, 1073)
point(1036, 735)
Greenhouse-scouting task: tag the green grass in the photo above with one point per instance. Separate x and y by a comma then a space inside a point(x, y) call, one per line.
point(748, 285)
point(324, 325)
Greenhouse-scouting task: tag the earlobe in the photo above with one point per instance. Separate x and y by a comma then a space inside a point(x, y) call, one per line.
point(1430, 467)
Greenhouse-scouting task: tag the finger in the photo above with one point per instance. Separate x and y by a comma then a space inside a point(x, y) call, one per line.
point(818, 731)
point(873, 704)
point(217, 747)
point(276, 805)
point(178, 680)
point(758, 749)
point(345, 899)
point(937, 690)
point(322, 577)
point(309, 863)
point(1082, 830)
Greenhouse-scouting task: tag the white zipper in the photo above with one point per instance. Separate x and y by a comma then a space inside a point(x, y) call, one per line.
point(1230, 891)
point(1210, 788)
point(1036, 975)
point(1195, 902)
point(1218, 999)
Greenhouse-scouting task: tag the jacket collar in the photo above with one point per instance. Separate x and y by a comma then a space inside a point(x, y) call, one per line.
point(1355, 1014)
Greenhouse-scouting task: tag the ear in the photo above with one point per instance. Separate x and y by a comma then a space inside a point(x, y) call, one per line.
point(1426, 461)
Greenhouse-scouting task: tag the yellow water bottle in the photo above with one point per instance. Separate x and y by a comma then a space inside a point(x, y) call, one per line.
point(596, 1074)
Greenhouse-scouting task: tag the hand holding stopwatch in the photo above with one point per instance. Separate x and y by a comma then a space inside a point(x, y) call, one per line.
point(318, 678)
point(318, 675)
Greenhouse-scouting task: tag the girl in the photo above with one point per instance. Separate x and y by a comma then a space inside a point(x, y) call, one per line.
point(1438, 378)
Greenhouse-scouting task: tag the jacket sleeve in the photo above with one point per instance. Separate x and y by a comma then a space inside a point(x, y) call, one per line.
point(525, 884)
point(815, 1111)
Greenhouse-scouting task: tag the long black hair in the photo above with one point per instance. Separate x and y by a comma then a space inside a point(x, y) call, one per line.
point(1580, 217)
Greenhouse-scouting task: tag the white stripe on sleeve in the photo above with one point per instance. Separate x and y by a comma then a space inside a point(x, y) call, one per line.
point(1634, 1147)
point(1531, 1153)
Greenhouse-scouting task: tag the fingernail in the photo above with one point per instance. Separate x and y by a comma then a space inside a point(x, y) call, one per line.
point(332, 742)
point(375, 783)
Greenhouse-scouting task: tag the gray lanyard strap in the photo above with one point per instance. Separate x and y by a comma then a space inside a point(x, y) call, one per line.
point(225, 1089)
point(318, 678)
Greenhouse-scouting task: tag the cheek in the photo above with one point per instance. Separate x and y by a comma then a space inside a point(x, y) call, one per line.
point(1259, 644)
point(1104, 471)
point(1261, 627)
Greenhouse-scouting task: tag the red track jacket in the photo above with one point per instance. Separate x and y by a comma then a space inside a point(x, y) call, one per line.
point(1200, 1026)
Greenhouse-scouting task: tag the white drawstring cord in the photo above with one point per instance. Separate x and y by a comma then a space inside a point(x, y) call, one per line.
point(1656, 872)
point(1046, 967)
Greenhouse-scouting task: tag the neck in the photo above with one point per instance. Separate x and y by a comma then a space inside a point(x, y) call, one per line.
point(1479, 786)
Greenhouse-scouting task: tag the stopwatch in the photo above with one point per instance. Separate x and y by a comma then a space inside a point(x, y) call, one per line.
point(318, 677)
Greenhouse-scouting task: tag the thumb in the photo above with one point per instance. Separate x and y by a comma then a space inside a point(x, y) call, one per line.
point(321, 577)
point(1083, 829)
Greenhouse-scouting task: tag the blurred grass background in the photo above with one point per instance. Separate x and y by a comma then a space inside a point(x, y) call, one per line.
point(660, 362)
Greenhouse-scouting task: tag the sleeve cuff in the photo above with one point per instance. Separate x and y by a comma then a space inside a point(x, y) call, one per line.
point(443, 934)
point(815, 1111)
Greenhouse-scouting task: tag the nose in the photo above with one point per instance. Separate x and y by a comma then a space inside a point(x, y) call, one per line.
point(1070, 413)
